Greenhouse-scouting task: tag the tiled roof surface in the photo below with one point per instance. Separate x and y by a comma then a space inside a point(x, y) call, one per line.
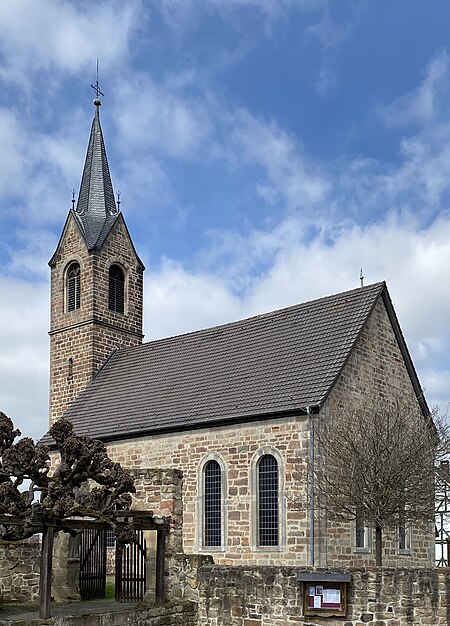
point(272, 363)
point(96, 209)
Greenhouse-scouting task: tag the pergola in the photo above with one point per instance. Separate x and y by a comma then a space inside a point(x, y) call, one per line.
point(141, 520)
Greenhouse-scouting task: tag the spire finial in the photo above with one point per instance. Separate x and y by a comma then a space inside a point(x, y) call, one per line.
point(98, 93)
point(118, 200)
point(361, 277)
point(73, 199)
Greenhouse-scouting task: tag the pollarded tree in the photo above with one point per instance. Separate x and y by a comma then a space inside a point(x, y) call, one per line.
point(375, 465)
point(86, 482)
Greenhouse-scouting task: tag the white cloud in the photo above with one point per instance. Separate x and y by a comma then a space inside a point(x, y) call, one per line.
point(62, 36)
point(24, 354)
point(422, 104)
point(179, 301)
point(392, 250)
point(13, 157)
point(331, 36)
point(291, 179)
point(163, 118)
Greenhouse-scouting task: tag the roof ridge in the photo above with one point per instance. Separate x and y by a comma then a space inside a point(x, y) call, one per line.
point(278, 363)
point(380, 285)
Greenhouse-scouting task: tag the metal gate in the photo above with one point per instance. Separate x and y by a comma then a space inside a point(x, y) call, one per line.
point(130, 569)
point(93, 564)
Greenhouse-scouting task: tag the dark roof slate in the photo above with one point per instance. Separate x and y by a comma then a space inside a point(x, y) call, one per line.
point(269, 364)
point(96, 209)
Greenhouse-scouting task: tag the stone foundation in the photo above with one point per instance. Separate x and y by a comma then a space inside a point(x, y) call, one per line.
point(174, 614)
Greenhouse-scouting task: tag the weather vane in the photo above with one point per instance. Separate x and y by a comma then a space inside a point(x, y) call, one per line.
point(96, 88)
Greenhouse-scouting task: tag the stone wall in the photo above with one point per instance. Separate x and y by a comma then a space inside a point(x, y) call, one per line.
point(375, 370)
point(238, 448)
point(89, 335)
point(159, 491)
point(244, 596)
point(19, 571)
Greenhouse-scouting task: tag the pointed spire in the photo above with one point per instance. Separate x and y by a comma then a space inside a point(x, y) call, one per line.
point(96, 209)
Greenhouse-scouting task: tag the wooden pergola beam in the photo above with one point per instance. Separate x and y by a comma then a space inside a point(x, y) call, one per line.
point(142, 520)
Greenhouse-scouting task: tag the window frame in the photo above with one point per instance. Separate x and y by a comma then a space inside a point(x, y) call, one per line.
point(404, 533)
point(267, 498)
point(359, 526)
point(74, 264)
point(254, 491)
point(114, 265)
point(200, 505)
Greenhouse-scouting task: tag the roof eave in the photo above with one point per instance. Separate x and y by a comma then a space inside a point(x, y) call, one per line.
point(221, 421)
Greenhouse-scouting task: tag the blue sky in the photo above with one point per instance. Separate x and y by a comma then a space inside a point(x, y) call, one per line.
point(265, 150)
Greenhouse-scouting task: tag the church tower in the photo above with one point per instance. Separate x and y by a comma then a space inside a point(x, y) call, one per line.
point(96, 283)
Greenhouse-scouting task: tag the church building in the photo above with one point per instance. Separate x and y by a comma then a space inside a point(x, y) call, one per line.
point(232, 406)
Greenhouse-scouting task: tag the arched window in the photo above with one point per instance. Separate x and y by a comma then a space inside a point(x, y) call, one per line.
point(268, 515)
point(73, 287)
point(212, 512)
point(116, 289)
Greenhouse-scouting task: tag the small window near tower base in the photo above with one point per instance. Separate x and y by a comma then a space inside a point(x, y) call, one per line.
point(116, 289)
point(73, 287)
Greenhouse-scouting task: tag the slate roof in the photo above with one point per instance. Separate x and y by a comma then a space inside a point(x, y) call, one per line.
point(96, 209)
point(265, 365)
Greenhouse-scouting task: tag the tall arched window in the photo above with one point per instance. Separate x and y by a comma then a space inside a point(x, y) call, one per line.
point(73, 287)
point(116, 289)
point(268, 515)
point(212, 512)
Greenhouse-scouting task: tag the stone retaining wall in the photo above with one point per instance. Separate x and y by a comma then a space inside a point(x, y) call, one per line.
point(272, 596)
point(19, 571)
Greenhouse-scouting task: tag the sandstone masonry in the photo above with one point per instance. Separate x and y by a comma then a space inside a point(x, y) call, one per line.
point(375, 368)
point(90, 334)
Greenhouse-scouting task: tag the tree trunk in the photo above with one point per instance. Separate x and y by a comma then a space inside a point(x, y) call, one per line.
point(378, 547)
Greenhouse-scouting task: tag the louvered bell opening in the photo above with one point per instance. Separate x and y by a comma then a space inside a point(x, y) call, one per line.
point(73, 287)
point(116, 289)
point(268, 501)
point(213, 504)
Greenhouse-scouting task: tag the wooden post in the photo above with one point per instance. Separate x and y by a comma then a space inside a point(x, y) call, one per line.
point(45, 580)
point(160, 563)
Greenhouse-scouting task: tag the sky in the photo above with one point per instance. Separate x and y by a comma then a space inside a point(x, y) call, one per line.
point(265, 151)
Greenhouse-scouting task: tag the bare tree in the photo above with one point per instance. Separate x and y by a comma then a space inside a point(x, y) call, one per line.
point(86, 482)
point(375, 465)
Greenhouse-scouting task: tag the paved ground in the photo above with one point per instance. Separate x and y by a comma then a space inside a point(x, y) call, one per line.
point(27, 613)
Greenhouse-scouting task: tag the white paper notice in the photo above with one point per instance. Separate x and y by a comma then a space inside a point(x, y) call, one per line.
point(312, 590)
point(317, 602)
point(331, 596)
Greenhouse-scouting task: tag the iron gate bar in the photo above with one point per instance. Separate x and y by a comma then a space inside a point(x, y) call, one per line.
point(93, 564)
point(131, 570)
